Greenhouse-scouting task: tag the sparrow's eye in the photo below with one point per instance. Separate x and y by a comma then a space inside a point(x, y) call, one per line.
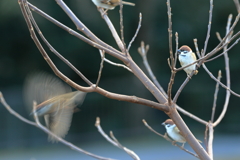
point(168, 125)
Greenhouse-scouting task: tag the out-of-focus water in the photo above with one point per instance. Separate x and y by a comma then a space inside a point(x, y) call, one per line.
point(225, 147)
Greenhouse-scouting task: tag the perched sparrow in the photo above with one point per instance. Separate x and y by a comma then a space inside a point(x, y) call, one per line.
point(110, 4)
point(186, 56)
point(55, 102)
point(174, 132)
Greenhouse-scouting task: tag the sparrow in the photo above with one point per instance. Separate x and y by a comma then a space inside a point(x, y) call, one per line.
point(174, 132)
point(110, 4)
point(55, 102)
point(185, 57)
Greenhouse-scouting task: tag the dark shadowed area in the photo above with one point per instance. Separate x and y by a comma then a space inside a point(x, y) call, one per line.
point(20, 57)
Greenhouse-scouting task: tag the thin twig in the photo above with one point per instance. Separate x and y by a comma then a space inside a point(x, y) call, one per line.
point(171, 64)
point(221, 84)
point(181, 88)
point(173, 72)
point(219, 36)
point(137, 31)
point(4, 103)
point(206, 137)
point(176, 53)
point(237, 5)
point(227, 69)
point(143, 50)
point(196, 47)
point(191, 115)
point(222, 44)
point(228, 49)
point(215, 96)
point(209, 28)
point(122, 27)
point(81, 27)
point(101, 67)
point(115, 64)
point(168, 139)
point(114, 141)
point(112, 29)
point(131, 153)
point(37, 124)
point(170, 31)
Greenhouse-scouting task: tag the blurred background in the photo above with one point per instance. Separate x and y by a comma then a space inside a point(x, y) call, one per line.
point(20, 56)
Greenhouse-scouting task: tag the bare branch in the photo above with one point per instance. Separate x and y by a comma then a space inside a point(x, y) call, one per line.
point(101, 67)
point(137, 31)
point(228, 49)
point(206, 138)
point(181, 88)
point(122, 27)
point(112, 29)
point(4, 103)
point(209, 28)
point(113, 63)
point(215, 96)
point(210, 140)
point(165, 136)
point(196, 47)
point(191, 115)
point(114, 141)
point(222, 44)
point(221, 84)
point(38, 124)
point(237, 5)
point(227, 69)
point(173, 72)
point(170, 31)
point(176, 57)
point(143, 50)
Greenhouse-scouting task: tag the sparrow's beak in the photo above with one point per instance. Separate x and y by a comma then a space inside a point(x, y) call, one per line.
point(163, 124)
point(179, 51)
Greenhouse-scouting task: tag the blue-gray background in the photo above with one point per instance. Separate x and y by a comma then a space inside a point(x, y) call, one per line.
point(19, 57)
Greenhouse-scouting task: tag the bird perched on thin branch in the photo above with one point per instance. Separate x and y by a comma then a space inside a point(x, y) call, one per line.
point(174, 132)
point(110, 4)
point(55, 101)
point(186, 57)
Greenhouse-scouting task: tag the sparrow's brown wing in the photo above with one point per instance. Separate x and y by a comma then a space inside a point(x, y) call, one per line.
point(42, 86)
point(60, 123)
point(111, 2)
point(177, 130)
